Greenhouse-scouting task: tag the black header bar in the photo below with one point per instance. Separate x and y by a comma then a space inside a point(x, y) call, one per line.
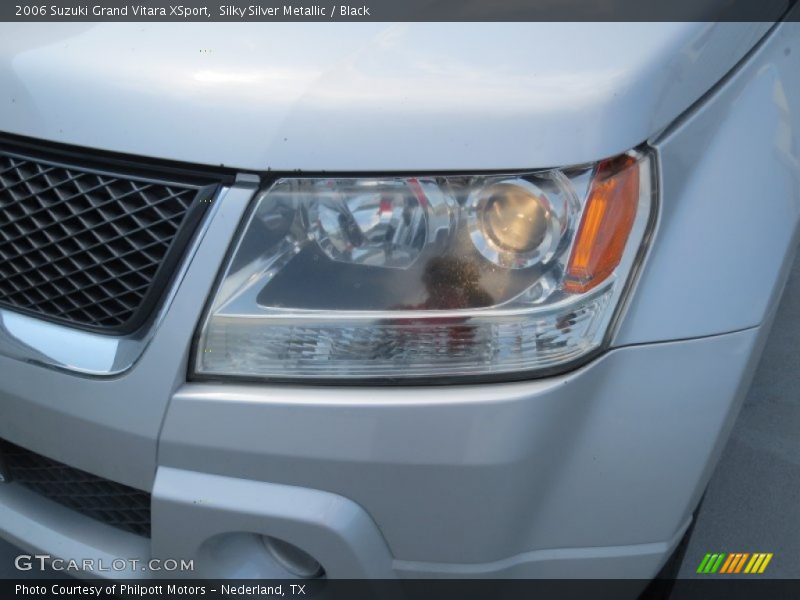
point(710, 588)
point(396, 10)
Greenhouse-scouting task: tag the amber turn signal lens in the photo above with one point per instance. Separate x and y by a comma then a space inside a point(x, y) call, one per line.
point(606, 224)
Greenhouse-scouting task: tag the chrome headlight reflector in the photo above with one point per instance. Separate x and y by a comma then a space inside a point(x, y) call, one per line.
point(427, 277)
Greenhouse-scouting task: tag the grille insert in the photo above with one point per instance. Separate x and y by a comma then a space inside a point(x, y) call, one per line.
point(112, 503)
point(88, 248)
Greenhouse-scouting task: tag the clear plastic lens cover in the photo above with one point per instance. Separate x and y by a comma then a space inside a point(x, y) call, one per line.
point(411, 277)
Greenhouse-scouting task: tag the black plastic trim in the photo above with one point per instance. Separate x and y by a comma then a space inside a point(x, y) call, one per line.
point(115, 163)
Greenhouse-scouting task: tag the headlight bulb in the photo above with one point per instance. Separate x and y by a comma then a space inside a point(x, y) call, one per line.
point(515, 219)
point(516, 223)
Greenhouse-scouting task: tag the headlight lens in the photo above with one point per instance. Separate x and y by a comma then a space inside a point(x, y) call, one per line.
point(427, 277)
point(518, 223)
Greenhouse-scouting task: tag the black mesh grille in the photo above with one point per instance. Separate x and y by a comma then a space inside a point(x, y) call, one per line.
point(87, 248)
point(107, 501)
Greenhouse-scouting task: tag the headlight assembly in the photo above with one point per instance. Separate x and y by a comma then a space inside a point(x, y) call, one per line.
point(426, 278)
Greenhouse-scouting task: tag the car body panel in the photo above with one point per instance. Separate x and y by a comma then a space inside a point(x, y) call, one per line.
point(361, 96)
point(566, 462)
point(729, 179)
point(577, 476)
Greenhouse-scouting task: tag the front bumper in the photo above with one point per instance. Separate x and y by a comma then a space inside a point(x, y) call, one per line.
point(591, 474)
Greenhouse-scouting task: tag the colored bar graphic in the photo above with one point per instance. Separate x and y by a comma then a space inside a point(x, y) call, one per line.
point(741, 562)
point(711, 563)
point(764, 564)
point(704, 563)
point(717, 564)
point(727, 566)
point(752, 563)
point(734, 562)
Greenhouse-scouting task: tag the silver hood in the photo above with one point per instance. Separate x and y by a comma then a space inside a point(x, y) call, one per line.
point(361, 96)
